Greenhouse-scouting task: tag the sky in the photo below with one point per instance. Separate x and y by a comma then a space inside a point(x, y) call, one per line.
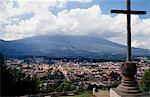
point(26, 18)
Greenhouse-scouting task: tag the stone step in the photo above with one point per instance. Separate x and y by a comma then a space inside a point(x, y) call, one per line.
point(127, 84)
point(129, 91)
point(128, 87)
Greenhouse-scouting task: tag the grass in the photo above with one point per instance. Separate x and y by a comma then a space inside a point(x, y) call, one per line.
point(81, 95)
point(103, 94)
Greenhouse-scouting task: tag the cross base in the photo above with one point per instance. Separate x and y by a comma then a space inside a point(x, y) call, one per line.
point(115, 92)
point(129, 85)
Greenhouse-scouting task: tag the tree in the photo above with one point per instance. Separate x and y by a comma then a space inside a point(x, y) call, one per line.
point(6, 78)
point(114, 85)
point(145, 83)
point(65, 86)
point(16, 83)
point(114, 75)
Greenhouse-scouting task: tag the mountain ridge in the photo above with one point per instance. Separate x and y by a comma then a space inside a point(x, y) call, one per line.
point(66, 46)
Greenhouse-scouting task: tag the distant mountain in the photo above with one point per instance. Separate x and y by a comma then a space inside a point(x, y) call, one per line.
point(67, 46)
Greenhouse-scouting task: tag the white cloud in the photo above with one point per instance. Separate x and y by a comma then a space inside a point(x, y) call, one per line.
point(74, 22)
point(139, 43)
point(84, 1)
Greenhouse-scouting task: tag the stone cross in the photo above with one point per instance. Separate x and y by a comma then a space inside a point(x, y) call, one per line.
point(128, 12)
point(128, 84)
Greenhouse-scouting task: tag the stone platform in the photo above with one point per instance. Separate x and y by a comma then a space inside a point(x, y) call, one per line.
point(117, 93)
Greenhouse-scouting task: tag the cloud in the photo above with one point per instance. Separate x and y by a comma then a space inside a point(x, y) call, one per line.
point(139, 43)
point(84, 1)
point(77, 21)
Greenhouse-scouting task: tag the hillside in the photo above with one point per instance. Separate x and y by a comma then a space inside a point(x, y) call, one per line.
point(66, 46)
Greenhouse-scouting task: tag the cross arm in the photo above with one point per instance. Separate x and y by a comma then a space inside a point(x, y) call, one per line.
point(119, 11)
point(126, 11)
point(138, 12)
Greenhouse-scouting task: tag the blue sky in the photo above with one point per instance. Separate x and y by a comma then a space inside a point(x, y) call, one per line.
point(143, 5)
point(107, 5)
point(26, 18)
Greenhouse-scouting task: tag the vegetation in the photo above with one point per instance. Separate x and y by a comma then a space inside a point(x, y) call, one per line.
point(66, 86)
point(114, 85)
point(84, 94)
point(115, 76)
point(145, 83)
point(16, 83)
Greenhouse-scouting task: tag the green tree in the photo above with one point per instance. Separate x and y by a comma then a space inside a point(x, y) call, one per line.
point(14, 82)
point(114, 75)
point(65, 86)
point(145, 83)
point(7, 83)
point(114, 85)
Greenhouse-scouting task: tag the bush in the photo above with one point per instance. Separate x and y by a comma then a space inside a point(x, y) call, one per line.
point(66, 86)
point(145, 83)
point(16, 83)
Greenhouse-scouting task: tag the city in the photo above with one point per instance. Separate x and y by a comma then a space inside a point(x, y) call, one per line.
point(84, 76)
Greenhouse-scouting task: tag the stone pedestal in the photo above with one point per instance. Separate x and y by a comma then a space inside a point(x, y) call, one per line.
point(129, 85)
point(117, 93)
point(128, 82)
